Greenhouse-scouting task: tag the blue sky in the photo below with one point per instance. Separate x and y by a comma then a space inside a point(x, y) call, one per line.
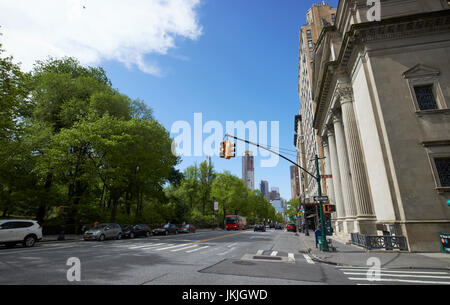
point(242, 67)
point(231, 60)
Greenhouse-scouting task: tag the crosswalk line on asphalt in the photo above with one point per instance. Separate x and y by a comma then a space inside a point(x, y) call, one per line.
point(171, 247)
point(308, 259)
point(274, 253)
point(401, 276)
point(144, 246)
point(184, 248)
point(291, 257)
point(194, 250)
point(260, 252)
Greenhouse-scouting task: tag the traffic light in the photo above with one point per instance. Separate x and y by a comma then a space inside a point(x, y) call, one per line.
point(230, 150)
point(329, 208)
point(222, 149)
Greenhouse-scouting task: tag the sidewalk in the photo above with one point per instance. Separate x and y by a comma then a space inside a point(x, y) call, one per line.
point(349, 255)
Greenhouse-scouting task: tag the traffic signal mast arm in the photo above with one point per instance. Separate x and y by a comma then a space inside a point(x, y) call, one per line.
point(274, 152)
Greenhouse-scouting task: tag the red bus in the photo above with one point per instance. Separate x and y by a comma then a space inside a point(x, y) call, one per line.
point(235, 222)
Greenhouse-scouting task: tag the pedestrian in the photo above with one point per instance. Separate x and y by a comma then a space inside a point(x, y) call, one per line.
point(95, 223)
point(317, 234)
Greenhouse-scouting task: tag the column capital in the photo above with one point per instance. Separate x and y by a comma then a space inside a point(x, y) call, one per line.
point(336, 115)
point(345, 92)
point(330, 131)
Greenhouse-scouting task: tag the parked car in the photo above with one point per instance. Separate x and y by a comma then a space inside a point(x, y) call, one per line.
point(260, 227)
point(272, 225)
point(103, 231)
point(291, 227)
point(136, 230)
point(278, 226)
point(14, 231)
point(166, 229)
point(188, 228)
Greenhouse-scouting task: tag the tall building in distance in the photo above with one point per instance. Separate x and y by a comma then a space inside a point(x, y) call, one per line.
point(248, 170)
point(274, 193)
point(307, 142)
point(264, 188)
point(295, 181)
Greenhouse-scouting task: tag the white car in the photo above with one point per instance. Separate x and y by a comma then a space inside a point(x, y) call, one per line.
point(14, 231)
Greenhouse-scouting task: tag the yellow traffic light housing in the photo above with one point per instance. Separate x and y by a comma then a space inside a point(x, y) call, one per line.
point(230, 150)
point(222, 149)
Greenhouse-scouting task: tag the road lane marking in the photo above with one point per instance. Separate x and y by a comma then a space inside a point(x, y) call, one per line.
point(190, 251)
point(218, 237)
point(308, 259)
point(396, 271)
point(181, 249)
point(403, 275)
point(274, 253)
point(399, 280)
point(260, 252)
point(231, 245)
point(226, 252)
point(152, 245)
point(171, 247)
point(291, 257)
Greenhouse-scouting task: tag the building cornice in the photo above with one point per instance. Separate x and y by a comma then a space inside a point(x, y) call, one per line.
point(392, 28)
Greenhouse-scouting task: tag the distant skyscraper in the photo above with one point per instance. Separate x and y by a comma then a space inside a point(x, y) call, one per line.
point(295, 182)
point(274, 193)
point(264, 188)
point(248, 170)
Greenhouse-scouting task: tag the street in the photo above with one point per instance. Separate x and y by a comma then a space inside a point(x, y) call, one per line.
point(203, 258)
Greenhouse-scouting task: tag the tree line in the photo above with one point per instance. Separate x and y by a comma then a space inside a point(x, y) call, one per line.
point(68, 138)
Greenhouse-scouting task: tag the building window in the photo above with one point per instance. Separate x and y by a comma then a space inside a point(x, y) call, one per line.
point(308, 33)
point(443, 171)
point(425, 97)
point(333, 17)
point(310, 43)
point(311, 54)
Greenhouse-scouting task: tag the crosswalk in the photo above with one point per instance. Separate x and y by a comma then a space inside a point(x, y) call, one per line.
point(383, 276)
point(164, 247)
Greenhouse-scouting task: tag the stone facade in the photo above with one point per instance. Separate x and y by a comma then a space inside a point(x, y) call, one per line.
point(382, 90)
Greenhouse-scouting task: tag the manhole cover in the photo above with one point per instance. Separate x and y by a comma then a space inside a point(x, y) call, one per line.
point(243, 263)
point(275, 258)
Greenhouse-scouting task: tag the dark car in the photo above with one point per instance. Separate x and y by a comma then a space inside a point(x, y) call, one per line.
point(291, 227)
point(188, 228)
point(166, 230)
point(272, 225)
point(260, 227)
point(136, 231)
point(278, 226)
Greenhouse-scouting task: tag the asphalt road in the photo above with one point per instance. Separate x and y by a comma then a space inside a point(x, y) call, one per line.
point(206, 258)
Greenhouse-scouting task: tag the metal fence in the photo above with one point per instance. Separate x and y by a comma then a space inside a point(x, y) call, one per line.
point(387, 242)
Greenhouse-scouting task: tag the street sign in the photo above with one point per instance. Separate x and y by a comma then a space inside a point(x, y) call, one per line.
point(216, 206)
point(320, 198)
point(299, 214)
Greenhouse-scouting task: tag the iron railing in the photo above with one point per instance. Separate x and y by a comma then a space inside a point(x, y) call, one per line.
point(387, 242)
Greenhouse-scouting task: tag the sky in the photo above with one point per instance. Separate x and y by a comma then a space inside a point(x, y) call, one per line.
point(230, 60)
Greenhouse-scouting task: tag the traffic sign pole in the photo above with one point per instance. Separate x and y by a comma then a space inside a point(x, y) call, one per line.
point(319, 193)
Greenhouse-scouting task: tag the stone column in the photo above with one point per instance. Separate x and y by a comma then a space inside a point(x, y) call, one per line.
point(364, 211)
point(336, 180)
point(346, 180)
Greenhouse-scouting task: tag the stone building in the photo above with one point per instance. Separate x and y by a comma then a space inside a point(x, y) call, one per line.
point(307, 142)
point(382, 90)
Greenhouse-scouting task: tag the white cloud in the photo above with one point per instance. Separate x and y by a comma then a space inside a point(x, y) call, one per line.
point(96, 30)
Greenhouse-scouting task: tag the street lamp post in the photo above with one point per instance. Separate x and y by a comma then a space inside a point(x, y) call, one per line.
point(319, 193)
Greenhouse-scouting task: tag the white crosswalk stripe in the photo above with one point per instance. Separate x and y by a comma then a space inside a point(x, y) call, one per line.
point(190, 251)
point(308, 259)
point(160, 247)
point(274, 253)
point(181, 249)
point(364, 275)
